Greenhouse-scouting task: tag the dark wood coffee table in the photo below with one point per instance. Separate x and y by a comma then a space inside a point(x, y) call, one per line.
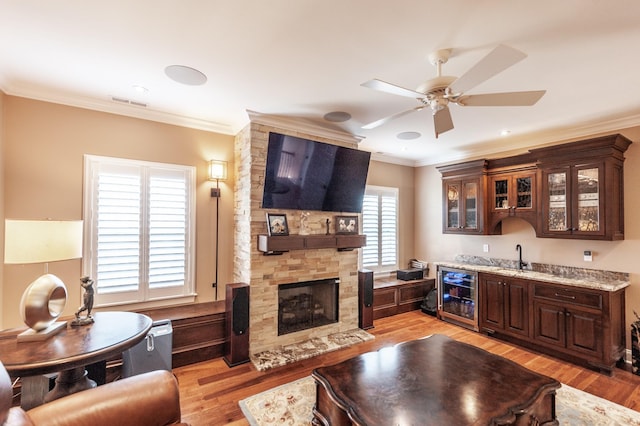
point(432, 381)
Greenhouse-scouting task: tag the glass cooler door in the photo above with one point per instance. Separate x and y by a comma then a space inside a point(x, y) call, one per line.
point(457, 292)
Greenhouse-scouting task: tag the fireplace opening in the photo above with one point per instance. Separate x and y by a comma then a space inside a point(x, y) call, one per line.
point(307, 305)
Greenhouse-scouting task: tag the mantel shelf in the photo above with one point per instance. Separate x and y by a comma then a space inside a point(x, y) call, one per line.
point(283, 243)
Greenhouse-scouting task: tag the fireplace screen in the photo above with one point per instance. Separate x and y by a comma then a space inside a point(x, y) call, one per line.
point(307, 304)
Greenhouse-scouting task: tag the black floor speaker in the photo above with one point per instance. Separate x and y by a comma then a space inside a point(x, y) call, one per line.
point(237, 324)
point(365, 299)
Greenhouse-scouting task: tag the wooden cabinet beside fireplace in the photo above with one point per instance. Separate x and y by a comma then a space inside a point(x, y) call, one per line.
point(391, 297)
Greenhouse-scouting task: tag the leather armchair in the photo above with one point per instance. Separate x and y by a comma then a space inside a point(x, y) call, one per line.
point(146, 399)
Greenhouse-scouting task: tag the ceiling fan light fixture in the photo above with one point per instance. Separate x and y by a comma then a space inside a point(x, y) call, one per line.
point(438, 103)
point(438, 92)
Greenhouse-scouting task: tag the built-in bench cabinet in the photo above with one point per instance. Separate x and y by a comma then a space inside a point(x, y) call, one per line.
point(581, 325)
point(572, 190)
point(392, 296)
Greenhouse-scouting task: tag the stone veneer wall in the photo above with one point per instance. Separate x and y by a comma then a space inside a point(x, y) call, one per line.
point(265, 273)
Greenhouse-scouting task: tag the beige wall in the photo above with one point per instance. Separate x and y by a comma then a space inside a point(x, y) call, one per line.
point(620, 256)
point(44, 144)
point(2, 97)
point(403, 178)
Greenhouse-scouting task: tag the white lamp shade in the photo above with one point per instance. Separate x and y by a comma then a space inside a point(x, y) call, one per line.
point(217, 170)
point(42, 241)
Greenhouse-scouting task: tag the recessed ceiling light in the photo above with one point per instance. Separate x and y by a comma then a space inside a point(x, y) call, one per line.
point(337, 116)
point(408, 135)
point(505, 132)
point(185, 75)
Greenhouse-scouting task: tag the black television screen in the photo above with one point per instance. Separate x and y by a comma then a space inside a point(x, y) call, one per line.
point(303, 174)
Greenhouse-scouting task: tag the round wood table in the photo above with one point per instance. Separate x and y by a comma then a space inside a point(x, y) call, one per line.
point(69, 351)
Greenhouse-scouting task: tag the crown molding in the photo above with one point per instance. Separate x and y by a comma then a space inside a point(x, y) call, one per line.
point(299, 124)
point(542, 138)
point(128, 110)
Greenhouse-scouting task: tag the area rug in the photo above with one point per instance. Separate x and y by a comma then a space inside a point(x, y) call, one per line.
point(291, 405)
point(307, 349)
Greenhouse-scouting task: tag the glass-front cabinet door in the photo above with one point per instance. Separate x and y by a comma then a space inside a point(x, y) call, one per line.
point(524, 190)
point(558, 202)
point(588, 194)
point(470, 194)
point(452, 192)
point(511, 192)
point(462, 206)
point(573, 201)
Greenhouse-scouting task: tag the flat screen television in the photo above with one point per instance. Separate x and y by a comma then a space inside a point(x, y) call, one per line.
point(302, 174)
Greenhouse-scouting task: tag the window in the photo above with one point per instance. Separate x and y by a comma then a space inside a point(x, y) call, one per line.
point(380, 225)
point(139, 229)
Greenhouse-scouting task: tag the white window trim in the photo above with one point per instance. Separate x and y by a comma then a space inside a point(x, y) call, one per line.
point(143, 297)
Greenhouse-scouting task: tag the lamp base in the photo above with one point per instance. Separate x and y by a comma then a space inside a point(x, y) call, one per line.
point(31, 335)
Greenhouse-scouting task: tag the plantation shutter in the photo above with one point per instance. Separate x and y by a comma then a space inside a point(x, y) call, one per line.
point(140, 228)
point(167, 229)
point(380, 220)
point(118, 229)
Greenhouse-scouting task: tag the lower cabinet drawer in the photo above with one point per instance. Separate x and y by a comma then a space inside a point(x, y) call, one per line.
point(580, 297)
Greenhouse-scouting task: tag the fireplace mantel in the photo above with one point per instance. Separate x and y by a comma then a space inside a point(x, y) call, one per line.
point(282, 243)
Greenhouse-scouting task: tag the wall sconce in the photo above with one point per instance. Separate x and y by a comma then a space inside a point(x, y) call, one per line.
point(42, 241)
point(217, 172)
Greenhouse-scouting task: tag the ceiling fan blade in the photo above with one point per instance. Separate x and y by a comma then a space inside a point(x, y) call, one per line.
point(383, 86)
point(502, 99)
point(442, 121)
point(498, 60)
point(391, 117)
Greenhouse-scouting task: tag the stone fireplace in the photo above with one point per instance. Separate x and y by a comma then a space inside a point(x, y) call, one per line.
point(266, 273)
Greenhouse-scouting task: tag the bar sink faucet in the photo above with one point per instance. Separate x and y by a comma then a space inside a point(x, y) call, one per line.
point(521, 264)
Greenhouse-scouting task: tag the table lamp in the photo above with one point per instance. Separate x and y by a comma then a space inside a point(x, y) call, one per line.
point(42, 241)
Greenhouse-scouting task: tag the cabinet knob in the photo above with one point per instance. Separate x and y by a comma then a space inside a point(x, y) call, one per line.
point(567, 314)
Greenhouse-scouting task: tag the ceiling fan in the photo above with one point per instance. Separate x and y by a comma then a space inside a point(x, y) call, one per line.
point(438, 92)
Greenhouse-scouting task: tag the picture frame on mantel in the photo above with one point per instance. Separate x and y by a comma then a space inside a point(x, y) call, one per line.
point(277, 224)
point(346, 225)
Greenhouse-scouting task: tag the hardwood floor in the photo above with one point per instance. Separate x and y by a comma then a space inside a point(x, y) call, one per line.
point(210, 390)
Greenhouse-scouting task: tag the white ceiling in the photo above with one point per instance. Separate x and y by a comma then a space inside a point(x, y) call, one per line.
point(305, 58)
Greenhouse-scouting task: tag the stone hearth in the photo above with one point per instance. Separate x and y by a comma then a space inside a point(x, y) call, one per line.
point(265, 273)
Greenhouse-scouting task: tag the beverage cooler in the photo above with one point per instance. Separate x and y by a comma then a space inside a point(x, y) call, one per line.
point(457, 296)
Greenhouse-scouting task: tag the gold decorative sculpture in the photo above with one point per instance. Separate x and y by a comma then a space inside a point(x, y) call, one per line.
point(87, 303)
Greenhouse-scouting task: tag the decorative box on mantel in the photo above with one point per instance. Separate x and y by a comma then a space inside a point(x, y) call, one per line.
point(272, 245)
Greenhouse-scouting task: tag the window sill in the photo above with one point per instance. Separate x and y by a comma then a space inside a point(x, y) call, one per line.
point(157, 303)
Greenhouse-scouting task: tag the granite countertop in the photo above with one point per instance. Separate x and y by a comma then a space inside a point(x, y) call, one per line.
point(578, 277)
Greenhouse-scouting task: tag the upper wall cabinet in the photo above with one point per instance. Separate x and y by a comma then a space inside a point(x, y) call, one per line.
point(573, 190)
point(512, 192)
point(582, 187)
point(463, 192)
